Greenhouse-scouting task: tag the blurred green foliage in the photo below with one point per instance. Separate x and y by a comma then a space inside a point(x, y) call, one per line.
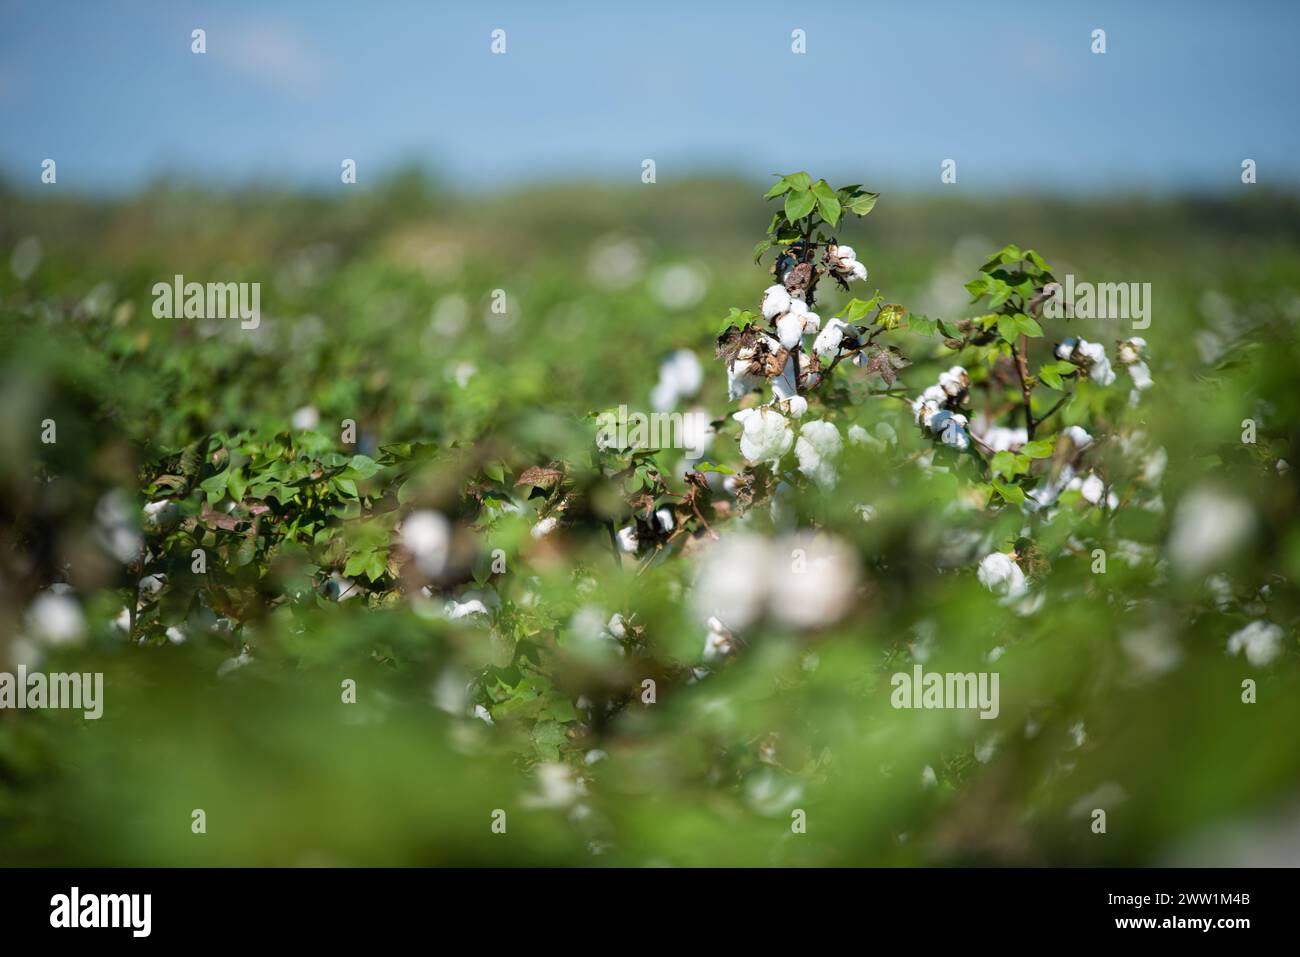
point(377, 307)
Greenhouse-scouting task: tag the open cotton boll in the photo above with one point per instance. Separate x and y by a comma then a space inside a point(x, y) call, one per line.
point(817, 449)
point(999, 573)
point(813, 580)
point(305, 419)
point(828, 341)
point(455, 610)
point(798, 405)
point(680, 377)
point(765, 436)
point(1076, 434)
point(628, 540)
point(1260, 640)
point(56, 620)
point(162, 516)
point(740, 384)
point(776, 301)
point(544, 527)
point(426, 534)
point(843, 252)
point(858, 271)
point(732, 583)
point(1209, 526)
point(1092, 488)
point(789, 329)
point(1141, 376)
point(783, 386)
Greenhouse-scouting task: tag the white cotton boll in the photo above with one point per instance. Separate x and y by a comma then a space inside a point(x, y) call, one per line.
point(813, 580)
point(766, 435)
point(719, 642)
point(338, 588)
point(798, 406)
point(664, 517)
point(740, 384)
point(817, 449)
point(426, 534)
point(680, 377)
point(175, 635)
point(544, 527)
point(789, 328)
point(783, 386)
point(732, 584)
point(1092, 489)
point(798, 307)
point(934, 394)
point(1141, 376)
point(122, 622)
point(828, 341)
point(858, 271)
point(162, 515)
point(617, 626)
point(1078, 436)
point(999, 573)
point(150, 586)
point(1208, 527)
point(811, 322)
point(844, 252)
point(1260, 640)
point(455, 610)
point(56, 620)
point(628, 540)
point(305, 419)
point(776, 301)
point(858, 435)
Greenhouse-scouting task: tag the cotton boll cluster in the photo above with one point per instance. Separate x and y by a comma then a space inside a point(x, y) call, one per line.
point(844, 265)
point(799, 581)
point(1000, 574)
point(817, 449)
point(765, 434)
point(935, 409)
point(1078, 437)
point(1260, 640)
point(680, 377)
point(1129, 354)
point(1091, 356)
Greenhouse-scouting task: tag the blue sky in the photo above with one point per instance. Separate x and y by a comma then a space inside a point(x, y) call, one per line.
point(885, 93)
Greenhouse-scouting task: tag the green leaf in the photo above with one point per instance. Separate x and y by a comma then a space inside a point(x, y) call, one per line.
point(1008, 329)
point(761, 248)
point(1038, 450)
point(215, 486)
point(713, 467)
point(495, 471)
point(863, 203)
point(1028, 326)
point(799, 181)
point(1003, 462)
point(781, 186)
point(921, 325)
point(799, 204)
point(827, 202)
